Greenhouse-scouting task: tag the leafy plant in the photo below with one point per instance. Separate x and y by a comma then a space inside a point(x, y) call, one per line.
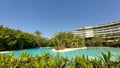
point(26, 60)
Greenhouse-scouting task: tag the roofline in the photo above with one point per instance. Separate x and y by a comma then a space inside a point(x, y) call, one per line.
point(99, 26)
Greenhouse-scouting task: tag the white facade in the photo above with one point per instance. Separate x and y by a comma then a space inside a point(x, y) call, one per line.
point(89, 33)
point(111, 30)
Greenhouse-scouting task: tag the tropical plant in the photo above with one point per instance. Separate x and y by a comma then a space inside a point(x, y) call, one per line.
point(67, 40)
point(97, 40)
point(60, 40)
point(38, 37)
point(11, 39)
point(26, 60)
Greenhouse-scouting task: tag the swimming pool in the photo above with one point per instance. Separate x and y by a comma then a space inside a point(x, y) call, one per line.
point(89, 51)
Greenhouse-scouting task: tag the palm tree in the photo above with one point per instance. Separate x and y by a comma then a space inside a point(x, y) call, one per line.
point(38, 33)
point(79, 41)
point(38, 37)
point(60, 39)
point(69, 37)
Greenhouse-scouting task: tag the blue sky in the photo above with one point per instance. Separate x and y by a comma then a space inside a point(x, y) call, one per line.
point(52, 16)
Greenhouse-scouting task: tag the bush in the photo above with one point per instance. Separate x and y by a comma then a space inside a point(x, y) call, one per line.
point(26, 60)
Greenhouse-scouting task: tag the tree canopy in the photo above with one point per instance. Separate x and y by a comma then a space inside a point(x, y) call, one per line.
point(11, 39)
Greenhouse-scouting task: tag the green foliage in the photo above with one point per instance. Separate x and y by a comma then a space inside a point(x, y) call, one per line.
point(26, 60)
point(112, 44)
point(98, 41)
point(106, 57)
point(44, 42)
point(51, 42)
point(95, 41)
point(11, 39)
point(38, 38)
point(67, 40)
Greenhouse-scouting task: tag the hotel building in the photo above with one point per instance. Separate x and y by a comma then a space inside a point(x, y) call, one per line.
point(109, 30)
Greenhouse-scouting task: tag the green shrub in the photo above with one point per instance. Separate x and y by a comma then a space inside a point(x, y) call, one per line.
point(26, 60)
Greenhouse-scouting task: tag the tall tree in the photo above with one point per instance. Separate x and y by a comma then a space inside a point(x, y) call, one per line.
point(60, 39)
point(38, 37)
point(68, 40)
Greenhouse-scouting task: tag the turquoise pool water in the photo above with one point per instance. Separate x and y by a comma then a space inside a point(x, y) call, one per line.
point(89, 51)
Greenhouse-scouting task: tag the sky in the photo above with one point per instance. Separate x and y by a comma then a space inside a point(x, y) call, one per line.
point(52, 16)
